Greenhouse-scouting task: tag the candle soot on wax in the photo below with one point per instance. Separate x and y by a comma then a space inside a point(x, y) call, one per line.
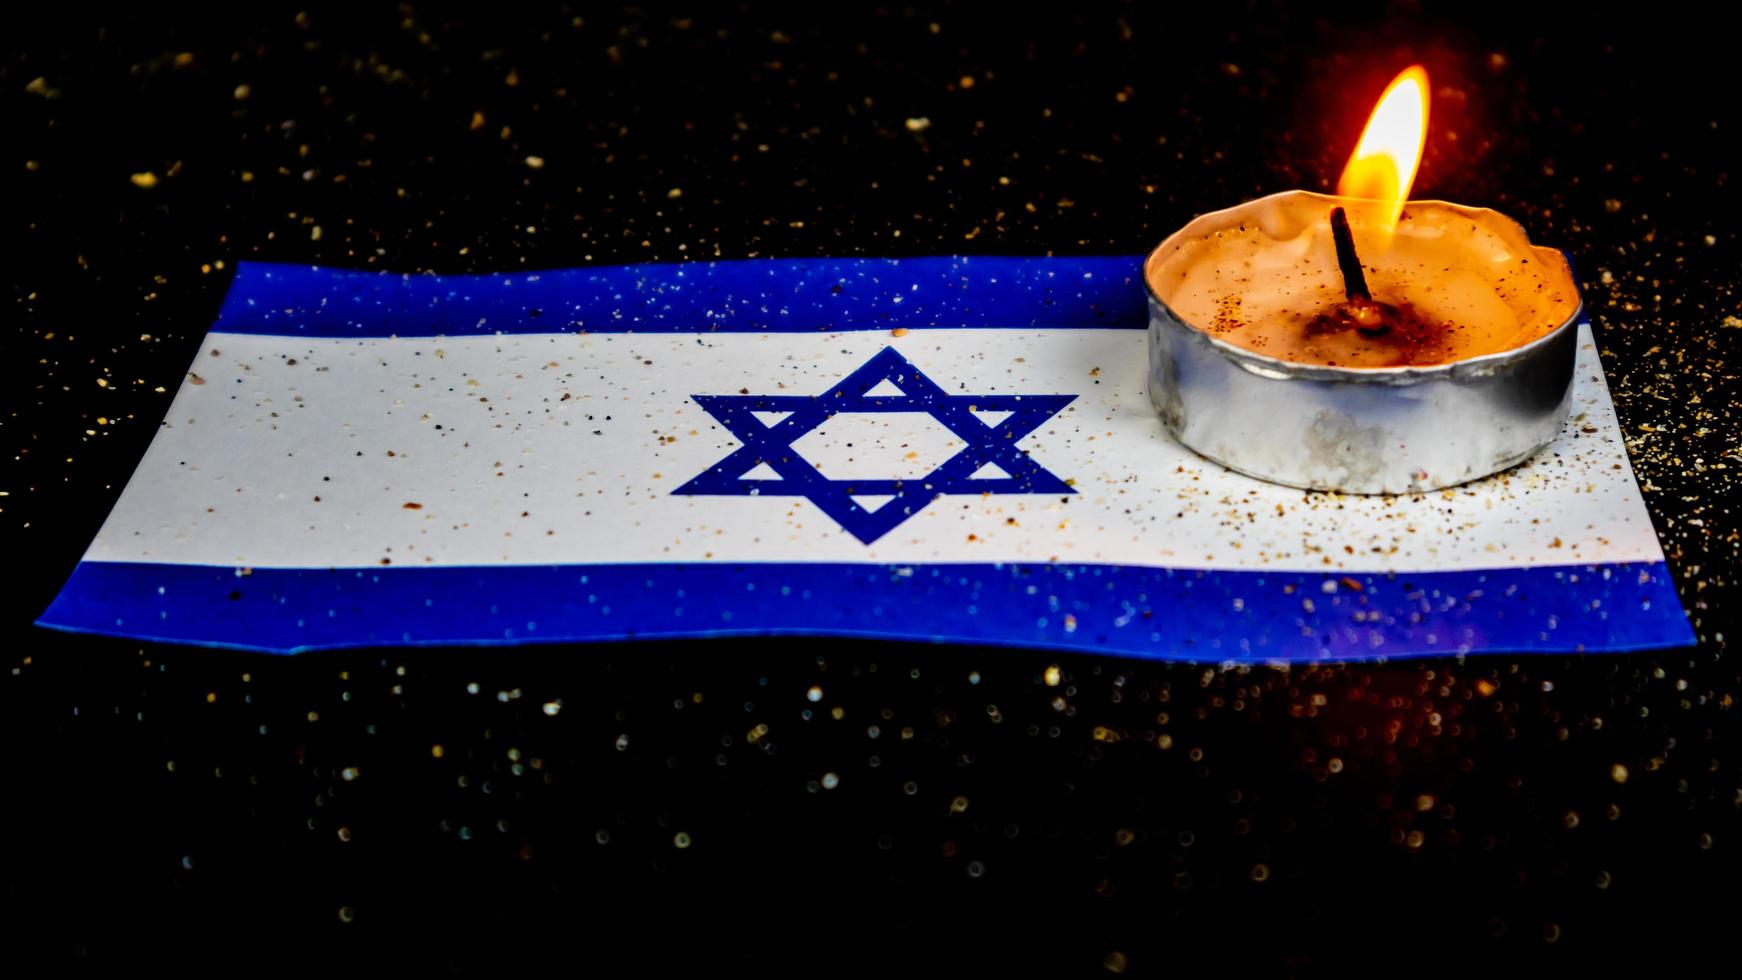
point(1450, 283)
point(1395, 326)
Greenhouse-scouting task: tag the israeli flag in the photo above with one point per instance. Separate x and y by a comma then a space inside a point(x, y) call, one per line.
point(945, 449)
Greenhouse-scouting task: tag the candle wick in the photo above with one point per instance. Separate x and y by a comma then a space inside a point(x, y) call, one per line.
point(1354, 280)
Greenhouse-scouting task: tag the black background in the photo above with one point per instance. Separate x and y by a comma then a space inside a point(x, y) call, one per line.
point(191, 808)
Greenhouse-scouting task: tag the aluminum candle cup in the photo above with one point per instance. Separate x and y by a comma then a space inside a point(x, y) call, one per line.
point(1486, 396)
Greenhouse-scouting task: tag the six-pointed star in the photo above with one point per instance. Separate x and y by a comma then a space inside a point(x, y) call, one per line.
point(772, 444)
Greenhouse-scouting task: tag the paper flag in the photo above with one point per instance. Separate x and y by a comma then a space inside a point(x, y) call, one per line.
point(948, 449)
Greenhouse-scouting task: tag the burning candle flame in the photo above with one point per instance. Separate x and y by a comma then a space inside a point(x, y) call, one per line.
point(1385, 160)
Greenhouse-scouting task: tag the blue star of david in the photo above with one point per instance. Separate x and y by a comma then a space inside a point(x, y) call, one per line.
point(772, 445)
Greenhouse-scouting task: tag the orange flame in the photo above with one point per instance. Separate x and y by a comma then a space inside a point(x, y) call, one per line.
point(1384, 163)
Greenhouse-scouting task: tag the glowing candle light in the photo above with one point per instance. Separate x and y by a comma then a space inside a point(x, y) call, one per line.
point(1358, 310)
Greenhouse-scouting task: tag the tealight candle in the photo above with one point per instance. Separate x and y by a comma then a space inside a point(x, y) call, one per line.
point(1359, 343)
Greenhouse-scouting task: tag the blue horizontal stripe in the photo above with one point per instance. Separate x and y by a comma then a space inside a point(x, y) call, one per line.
point(758, 295)
point(1156, 613)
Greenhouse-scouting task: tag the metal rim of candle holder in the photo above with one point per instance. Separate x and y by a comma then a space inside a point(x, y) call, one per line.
point(1357, 430)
